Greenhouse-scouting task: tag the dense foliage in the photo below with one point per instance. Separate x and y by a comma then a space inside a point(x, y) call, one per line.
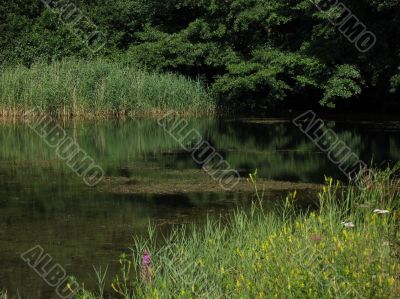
point(98, 88)
point(255, 53)
point(343, 250)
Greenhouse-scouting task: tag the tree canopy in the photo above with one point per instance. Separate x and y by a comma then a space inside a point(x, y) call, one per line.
point(253, 53)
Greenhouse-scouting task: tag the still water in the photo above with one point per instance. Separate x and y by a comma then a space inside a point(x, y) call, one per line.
point(149, 179)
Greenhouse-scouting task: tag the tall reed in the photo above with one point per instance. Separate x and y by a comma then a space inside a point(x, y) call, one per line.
point(99, 87)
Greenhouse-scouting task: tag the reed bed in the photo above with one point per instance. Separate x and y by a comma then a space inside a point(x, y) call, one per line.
point(343, 249)
point(99, 88)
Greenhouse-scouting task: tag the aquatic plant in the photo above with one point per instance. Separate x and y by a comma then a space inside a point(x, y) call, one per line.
point(101, 274)
point(263, 254)
point(99, 88)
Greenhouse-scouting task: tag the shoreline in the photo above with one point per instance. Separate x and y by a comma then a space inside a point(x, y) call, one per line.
point(151, 114)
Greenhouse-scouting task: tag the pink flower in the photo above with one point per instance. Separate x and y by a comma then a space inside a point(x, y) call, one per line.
point(146, 260)
point(146, 271)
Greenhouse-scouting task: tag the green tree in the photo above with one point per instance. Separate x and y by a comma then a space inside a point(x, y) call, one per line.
point(254, 53)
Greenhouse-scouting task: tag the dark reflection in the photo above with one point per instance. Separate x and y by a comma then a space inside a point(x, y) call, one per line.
point(43, 202)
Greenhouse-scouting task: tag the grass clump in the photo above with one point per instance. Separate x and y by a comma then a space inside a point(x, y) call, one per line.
point(342, 250)
point(99, 88)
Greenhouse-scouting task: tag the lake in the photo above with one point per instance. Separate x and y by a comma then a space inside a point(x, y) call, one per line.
point(149, 178)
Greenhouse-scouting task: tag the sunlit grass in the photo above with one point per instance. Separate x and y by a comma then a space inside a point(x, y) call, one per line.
point(76, 88)
point(285, 254)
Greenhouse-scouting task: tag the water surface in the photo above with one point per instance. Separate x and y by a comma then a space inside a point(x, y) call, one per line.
point(149, 179)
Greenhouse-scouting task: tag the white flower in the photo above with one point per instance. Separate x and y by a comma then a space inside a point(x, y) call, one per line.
point(348, 224)
point(379, 212)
